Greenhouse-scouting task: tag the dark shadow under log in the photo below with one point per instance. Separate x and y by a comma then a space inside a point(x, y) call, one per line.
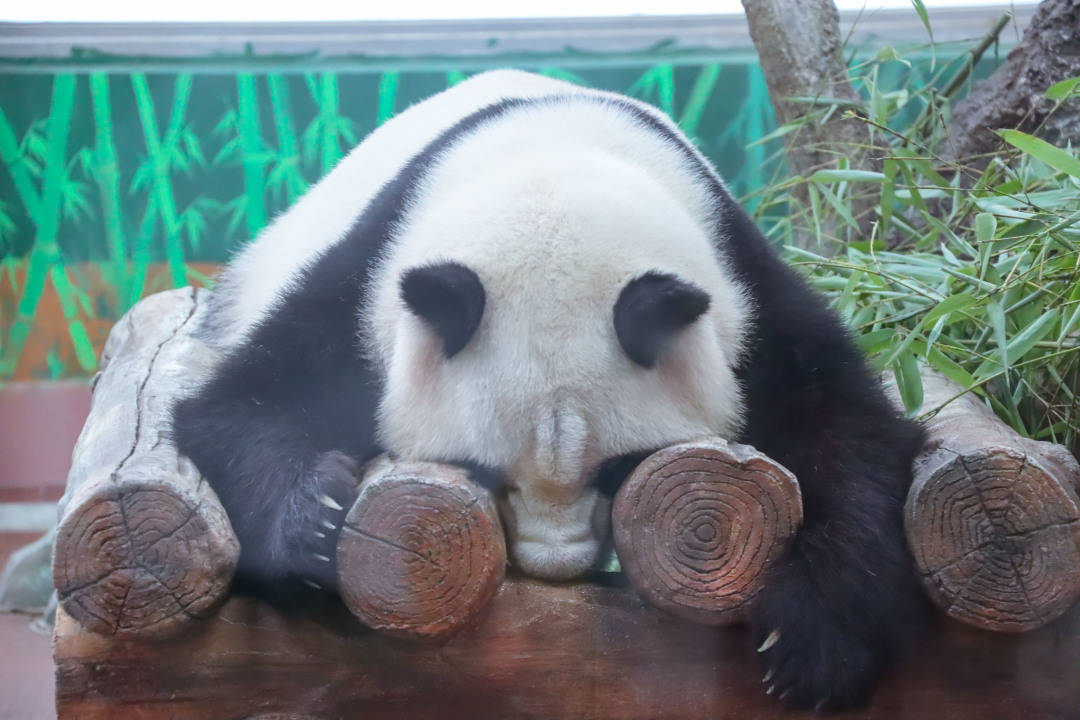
point(696, 526)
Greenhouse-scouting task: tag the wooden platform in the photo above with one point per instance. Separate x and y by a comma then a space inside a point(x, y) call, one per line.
point(540, 651)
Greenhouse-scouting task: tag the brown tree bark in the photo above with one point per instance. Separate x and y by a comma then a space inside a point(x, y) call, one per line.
point(1014, 95)
point(801, 54)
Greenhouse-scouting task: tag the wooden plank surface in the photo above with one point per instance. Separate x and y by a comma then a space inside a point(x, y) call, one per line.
point(540, 651)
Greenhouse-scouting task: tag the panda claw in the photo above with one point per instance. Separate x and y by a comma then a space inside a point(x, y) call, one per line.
point(328, 525)
point(769, 675)
point(771, 640)
point(770, 689)
point(330, 502)
point(321, 558)
point(312, 584)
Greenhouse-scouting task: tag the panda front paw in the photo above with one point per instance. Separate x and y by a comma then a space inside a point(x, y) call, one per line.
point(322, 503)
point(814, 655)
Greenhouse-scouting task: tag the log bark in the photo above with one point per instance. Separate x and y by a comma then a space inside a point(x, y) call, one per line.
point(143, 544)
point(422, 551)
point(542, 651)
point(696, 526)
point(992, 518)
point(1014, 95)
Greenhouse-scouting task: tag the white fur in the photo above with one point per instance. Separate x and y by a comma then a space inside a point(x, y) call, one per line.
point(555, 207)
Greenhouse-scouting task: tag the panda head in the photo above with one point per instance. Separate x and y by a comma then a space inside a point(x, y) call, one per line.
point(543, 319)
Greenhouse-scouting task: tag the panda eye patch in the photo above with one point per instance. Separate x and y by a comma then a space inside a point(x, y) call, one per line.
point(652, 310)
point(449, 298)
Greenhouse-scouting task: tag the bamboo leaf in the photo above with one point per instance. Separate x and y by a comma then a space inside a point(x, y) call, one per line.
point(909, 382)
point(949, 305)
point(1042, 150)
point(920, 8)
point(1065, 88)
point(848, 176)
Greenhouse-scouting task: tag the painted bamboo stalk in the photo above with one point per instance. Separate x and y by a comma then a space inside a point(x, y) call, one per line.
point(251, 151)
point(45, 212)
point(107, 174)
point(387, 96)
point(158, 153)
point(288, 145)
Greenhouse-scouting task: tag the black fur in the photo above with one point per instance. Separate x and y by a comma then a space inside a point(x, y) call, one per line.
point(650, 312)
point(845, 597)
point(448, 297)
point(267, 429)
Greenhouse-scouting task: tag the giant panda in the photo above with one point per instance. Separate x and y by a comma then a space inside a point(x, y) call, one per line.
point(544, 283)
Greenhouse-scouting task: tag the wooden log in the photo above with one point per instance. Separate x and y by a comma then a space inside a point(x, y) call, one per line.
point(566, 651)
point(992, 518)
point(143, 545)
point(421, 552)
point(697, 524)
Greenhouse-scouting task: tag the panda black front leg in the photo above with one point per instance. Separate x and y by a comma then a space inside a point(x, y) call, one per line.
point(286, 500)
point(843, 601)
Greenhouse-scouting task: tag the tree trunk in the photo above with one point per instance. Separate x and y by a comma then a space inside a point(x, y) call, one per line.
point(801, 54)
point(1014, 95)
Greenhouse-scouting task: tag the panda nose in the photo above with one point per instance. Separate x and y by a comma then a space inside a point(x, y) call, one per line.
point(562, 435)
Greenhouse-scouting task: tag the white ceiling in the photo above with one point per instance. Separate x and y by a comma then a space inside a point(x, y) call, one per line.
point(341, 10)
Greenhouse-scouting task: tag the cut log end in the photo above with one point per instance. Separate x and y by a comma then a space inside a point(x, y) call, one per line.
point(697, 524)
point(422, 551)
point(995, 532)
point(141, 559)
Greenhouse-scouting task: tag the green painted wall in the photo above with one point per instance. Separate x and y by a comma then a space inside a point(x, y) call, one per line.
point(123, 179)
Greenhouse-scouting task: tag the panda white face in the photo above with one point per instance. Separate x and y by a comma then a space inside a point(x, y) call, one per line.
point(507, 351)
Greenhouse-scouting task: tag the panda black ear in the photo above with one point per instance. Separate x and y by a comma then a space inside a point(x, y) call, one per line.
point(449, 297)
point(650, 312)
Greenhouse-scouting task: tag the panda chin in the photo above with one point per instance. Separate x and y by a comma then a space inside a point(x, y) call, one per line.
point(563, 561)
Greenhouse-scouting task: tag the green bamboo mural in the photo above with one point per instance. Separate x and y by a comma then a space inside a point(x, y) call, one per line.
point(252, 152)
point(159, 161)
point(44, 211)
point(105, 170)
point(285, 178)
point(117, 184)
